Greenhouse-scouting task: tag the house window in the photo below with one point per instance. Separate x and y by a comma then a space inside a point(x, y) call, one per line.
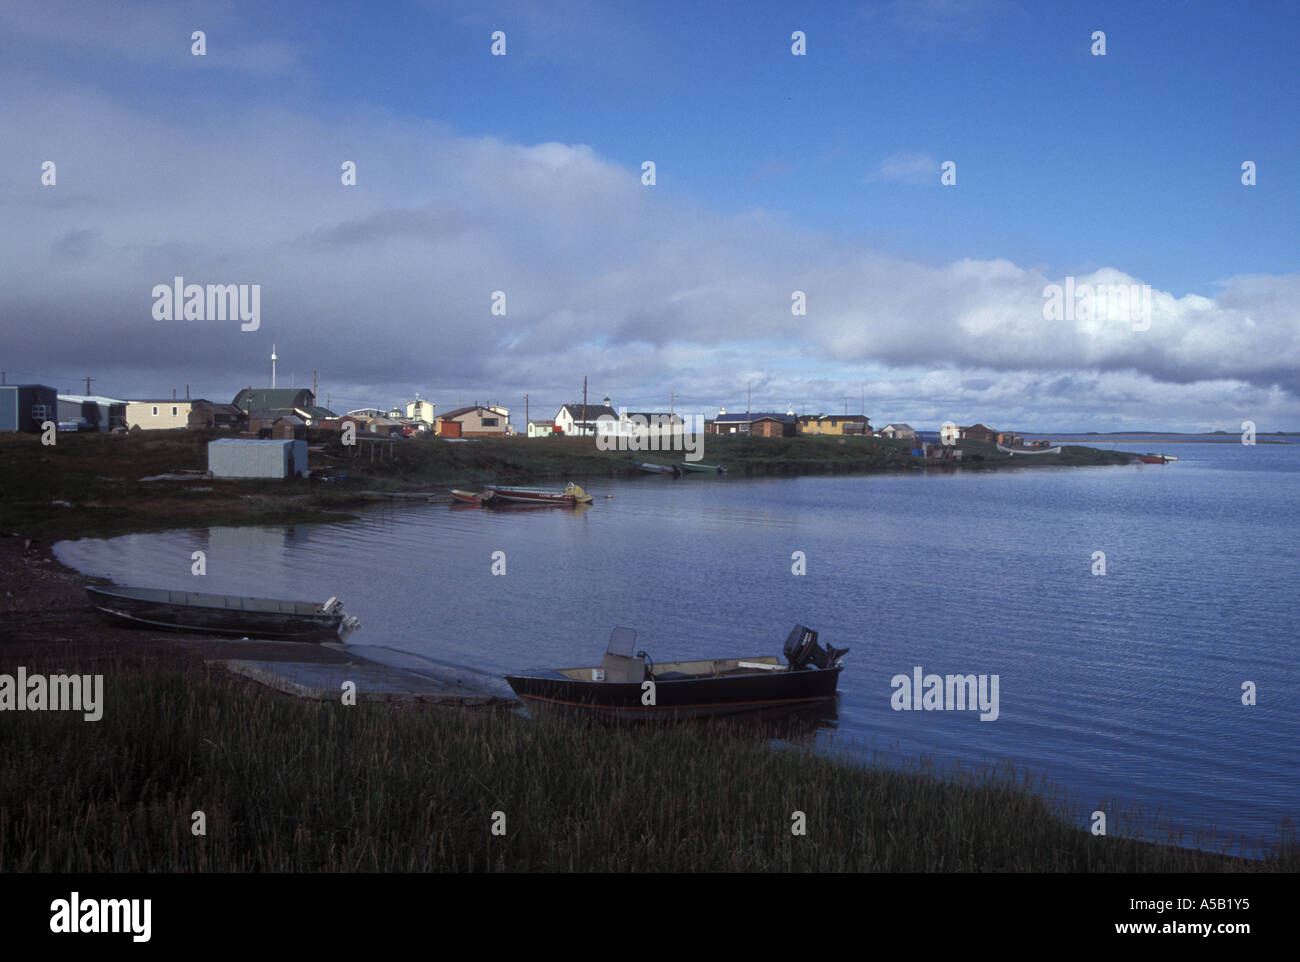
point(174, 410)
point(489, 422)
point(155, 410)
point(41, 412)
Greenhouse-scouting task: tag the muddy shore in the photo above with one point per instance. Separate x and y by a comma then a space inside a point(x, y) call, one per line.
point(44, 615)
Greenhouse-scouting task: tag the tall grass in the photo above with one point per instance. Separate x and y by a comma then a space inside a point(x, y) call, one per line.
point(288, 785)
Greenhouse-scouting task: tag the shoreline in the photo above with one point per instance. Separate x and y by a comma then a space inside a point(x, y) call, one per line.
point(42, 599)
point(51, 624)
point(55, 627)
point(99, 485)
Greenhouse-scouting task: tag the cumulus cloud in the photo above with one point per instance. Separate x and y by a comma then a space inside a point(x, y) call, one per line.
point(386, 287)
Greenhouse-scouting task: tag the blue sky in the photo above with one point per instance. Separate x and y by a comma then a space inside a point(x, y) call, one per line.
point(774, 173)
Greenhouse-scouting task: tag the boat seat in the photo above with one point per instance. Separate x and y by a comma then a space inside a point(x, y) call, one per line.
point(622, 669)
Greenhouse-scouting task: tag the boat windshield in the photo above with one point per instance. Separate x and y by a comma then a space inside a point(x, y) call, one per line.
point(622, 641)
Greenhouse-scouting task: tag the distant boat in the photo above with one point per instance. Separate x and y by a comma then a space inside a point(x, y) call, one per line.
point(572, 494)
point(647, 468)
point(221, 614)
point(1156, 458)
point(686, 689)
point(696, 468)
point(472, 497)
point(1006, 450)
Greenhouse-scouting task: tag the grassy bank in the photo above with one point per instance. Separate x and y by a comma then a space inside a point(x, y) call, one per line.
point(293, 786)
point(91, 484)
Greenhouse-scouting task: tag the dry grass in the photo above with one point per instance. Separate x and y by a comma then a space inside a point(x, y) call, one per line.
point(298, 786)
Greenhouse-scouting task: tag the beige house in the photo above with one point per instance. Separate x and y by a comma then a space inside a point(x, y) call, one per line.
point(160, 413)
point(474, 422)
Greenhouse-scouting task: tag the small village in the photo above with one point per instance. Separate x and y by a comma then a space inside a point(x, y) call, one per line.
point(276, 414)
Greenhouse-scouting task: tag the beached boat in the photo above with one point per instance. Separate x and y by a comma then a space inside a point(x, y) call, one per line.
point(618, 687)
point(572, 494)
point(221, 614)
point(472, 497)
point(647, 468)
point(696, 468)
point(1006, 450)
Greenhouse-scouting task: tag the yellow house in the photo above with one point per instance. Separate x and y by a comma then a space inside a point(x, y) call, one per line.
point(837, 424)
point(159, 413)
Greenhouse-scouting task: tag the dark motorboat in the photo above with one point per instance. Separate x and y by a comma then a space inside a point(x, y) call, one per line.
point(646, 467)
point(222, 614)
point(629, 686)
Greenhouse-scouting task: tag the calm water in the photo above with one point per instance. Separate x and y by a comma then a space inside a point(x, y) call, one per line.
point(1124, 686)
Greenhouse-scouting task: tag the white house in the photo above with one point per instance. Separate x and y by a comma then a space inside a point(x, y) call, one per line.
point(902, 432)
point(569, 418)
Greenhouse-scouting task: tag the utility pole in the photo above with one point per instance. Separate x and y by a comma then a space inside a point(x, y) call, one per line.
point(864, 398)
point(272, 367)
point(313, 383)
point(584, 404)
point(88, 380)
point(671, 396)
point(526, 414)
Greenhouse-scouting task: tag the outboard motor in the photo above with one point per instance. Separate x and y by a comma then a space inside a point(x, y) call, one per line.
point(801, 647)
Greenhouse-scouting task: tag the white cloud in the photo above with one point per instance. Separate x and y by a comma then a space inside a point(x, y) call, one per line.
point(385, 287)
point(915, 170)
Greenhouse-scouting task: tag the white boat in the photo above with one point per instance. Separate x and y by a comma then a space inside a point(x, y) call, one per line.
point(1006, 450)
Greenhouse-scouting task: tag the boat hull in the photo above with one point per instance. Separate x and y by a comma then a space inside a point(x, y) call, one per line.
point(690, 467)
point(471, 497)
point(658, 469)
point(1006, 450)
point(536, 495)
point(708, 697)
point(194, 611)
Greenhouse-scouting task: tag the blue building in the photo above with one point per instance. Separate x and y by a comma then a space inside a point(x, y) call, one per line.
point(24, 407)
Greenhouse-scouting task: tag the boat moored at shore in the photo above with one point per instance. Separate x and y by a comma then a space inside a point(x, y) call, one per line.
point(471, 497)
point(197, 611)
point(1006, 450)
point(630, 686)
point(670, 469)
point(572, 494)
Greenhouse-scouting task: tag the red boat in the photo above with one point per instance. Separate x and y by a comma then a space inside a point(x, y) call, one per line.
point(1155, 458)
point(572, 494)
point(472, 497)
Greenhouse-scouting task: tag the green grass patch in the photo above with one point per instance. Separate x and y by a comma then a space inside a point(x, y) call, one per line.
point(288, 785)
